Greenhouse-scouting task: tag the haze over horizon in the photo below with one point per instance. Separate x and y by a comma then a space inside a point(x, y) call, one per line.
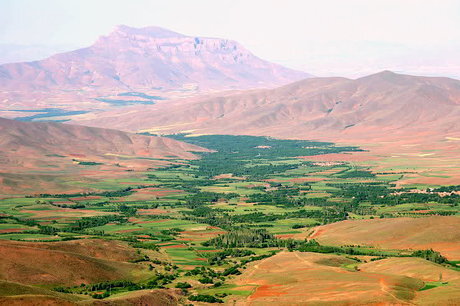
point(353, 39)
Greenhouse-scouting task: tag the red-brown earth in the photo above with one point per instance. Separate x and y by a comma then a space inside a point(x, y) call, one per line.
point(67, 263)
point(41, 157)
point(439, 233)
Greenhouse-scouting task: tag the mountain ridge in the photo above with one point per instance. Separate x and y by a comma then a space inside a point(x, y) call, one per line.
point(315, 107)
point(131, 58)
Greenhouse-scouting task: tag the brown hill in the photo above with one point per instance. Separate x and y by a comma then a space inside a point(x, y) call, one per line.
point(163, 297)
point(19, 294)
point(302, 278)
point(23, 139)
point(423, 270)
point(381, 106)
point(413, 267)
point(132, 58)
point(35, 154)
point(26, 263)
point(441, 234)
point(97, 248)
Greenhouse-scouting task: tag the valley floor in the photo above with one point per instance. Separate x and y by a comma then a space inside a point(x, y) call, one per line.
point(254, 221)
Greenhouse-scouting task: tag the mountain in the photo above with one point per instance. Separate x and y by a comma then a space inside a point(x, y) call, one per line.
point(43, 156)
point(152, 57)
point(34, 140)
point(38, 138)
point(385, 105)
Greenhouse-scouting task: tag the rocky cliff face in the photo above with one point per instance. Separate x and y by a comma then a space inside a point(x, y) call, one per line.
point(146, 58)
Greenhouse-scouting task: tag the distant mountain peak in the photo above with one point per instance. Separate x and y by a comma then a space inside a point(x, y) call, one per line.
point(385, 74)
point(152, 31)
point(150, 57)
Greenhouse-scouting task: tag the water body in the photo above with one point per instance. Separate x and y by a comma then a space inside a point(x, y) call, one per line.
point(147, 99)
point(140, 95)
point(46, 113)
point(125, 102)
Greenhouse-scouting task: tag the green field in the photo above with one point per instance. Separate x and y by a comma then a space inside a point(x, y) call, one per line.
point(250, 194)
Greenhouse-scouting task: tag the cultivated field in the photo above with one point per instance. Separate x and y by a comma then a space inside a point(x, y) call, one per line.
point(255, 220)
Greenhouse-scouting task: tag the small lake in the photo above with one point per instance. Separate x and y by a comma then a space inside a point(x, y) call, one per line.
point(46, 113)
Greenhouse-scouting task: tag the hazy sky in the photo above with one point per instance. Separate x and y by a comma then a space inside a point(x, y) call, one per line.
point(324, 37)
